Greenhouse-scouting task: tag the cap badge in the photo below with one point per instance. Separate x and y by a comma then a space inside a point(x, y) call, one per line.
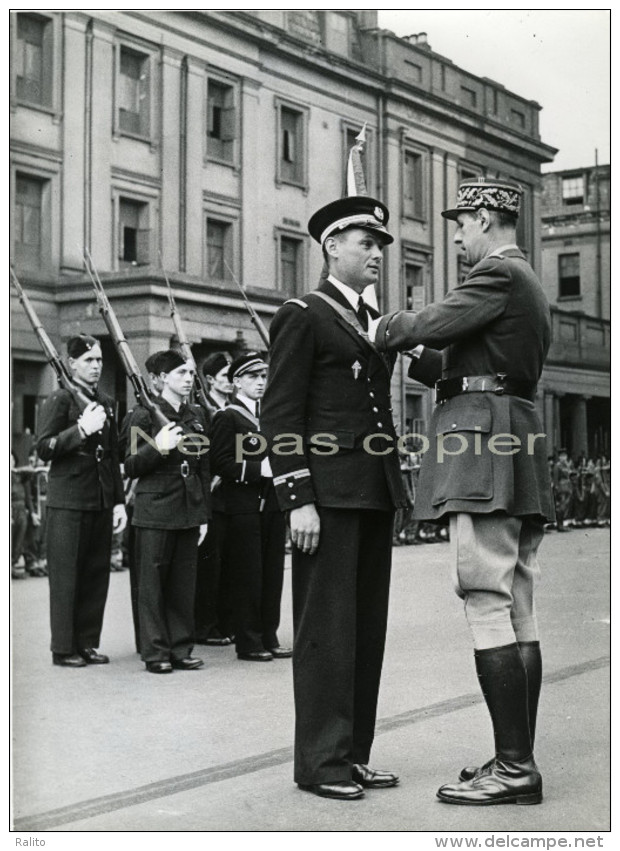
point(378, 213)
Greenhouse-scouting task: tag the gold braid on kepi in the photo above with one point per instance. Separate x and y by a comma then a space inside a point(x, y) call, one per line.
point(498, 195)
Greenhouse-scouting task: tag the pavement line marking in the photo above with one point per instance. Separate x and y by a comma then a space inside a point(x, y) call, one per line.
point(249, 765)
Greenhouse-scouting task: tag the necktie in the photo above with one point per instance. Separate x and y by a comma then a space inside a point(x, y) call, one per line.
point(362, 313)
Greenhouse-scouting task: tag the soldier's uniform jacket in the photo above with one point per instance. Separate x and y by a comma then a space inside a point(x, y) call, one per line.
point(496, 321)
point(84, 472)
point(173, 488)
point(562, 482)
point(236, 456)
point(328, 385)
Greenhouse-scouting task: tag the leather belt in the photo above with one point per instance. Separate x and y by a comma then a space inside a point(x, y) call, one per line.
point(184, 469)
point(499, 384)
point(99, 454)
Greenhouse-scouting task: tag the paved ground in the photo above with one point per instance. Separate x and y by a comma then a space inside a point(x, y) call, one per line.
point(114, 748)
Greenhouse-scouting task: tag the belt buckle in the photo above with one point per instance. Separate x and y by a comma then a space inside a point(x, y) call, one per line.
point(99, 453)
point(464, 384)
point(184, 469)
point(501, 377)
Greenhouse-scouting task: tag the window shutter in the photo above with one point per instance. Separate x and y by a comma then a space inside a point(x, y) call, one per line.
point(229, 123)
point(143, 246)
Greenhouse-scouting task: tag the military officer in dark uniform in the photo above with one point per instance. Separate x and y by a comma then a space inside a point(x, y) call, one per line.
point(562, 477)
point(255, 527)
point(85, 504)
point(486, 469)
point(170, 516)
point(213, 603)
point(329, 390)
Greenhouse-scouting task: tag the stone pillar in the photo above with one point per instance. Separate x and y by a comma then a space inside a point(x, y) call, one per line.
point(194, 210)
point(579, 427)
point(549, 421)
point(170, 158)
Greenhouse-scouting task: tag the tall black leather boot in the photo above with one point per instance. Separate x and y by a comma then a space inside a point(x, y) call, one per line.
point(512, 777)
point(532, 659)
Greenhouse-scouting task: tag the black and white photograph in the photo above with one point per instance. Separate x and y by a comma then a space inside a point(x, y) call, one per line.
point(310, 410)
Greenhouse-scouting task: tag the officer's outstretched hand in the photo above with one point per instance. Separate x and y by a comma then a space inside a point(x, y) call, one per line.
point(168, 438)
point(203, 533)
point(92, 419)
point(305, 528)
point(119, 518)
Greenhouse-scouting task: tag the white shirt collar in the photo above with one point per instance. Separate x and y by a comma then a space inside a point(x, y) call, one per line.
point(351, 296)
point(249, 403)
point(502, 248)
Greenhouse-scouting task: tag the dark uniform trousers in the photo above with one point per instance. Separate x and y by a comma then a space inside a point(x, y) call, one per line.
point(337, 657)
point(254, 555)
point(78, 553)
point(167, 577)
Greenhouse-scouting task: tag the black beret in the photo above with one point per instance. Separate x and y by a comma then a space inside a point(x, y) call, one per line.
point(168, 360)
point(152, 362)
point(499, 195)
point(249, 362)
point(354, 211)
point(215, 363)
point(76, 346)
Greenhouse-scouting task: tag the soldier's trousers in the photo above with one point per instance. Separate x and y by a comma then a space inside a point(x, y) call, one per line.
point(340, 603)
point(166, 589)
point(78, 561)
point(494, 570)
point(254, 554)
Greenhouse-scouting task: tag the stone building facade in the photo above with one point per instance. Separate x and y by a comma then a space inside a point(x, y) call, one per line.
point(576, 274)
point(200, 143)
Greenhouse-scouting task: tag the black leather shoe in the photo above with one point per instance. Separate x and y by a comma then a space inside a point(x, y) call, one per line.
point(470, 771)
point(503, 783)
point(280, 652)
point(158, 667)
point(256, 656)
point(190, 663)
point(371, 779)
point(91, 657)
point(340, 790)
point(224, 641)
point(68, 660)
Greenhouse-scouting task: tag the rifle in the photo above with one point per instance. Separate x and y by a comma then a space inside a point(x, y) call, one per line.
point(200, 391)
point(258, 322)
point(62, 373)
point(132, 371)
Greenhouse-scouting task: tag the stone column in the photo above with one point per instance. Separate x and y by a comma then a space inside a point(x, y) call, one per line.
point(579, 427)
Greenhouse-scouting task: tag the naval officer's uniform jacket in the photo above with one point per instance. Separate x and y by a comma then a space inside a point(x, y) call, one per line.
point(172, 500)
point(327, 385)
point(84, 485)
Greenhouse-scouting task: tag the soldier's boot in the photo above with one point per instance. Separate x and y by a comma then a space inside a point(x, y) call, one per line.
point(512, 777)
point(532, 659)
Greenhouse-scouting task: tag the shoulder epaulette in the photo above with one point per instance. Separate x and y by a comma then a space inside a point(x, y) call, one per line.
point(298, 302)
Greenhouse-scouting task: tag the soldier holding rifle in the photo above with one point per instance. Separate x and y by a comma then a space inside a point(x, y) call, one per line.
point(85, 505)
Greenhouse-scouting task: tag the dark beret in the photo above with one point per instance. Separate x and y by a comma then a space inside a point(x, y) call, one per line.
point(249, 362)
point(152, 362)
point(215, 363)
point(76, 346)
point(354, 211)
point(168, 360)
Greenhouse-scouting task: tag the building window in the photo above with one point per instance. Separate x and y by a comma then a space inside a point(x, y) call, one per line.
point(569, 276)
point(221, 121)
point(469, 97)
point(292, 156)
point(291, 265)
point(518, 118)
point(134, 239)
point(28, 221)
point(572, 190)
point(33, 60)
point(413, 185)
point(415, 290)
point(219, 250)
point(134, 92)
